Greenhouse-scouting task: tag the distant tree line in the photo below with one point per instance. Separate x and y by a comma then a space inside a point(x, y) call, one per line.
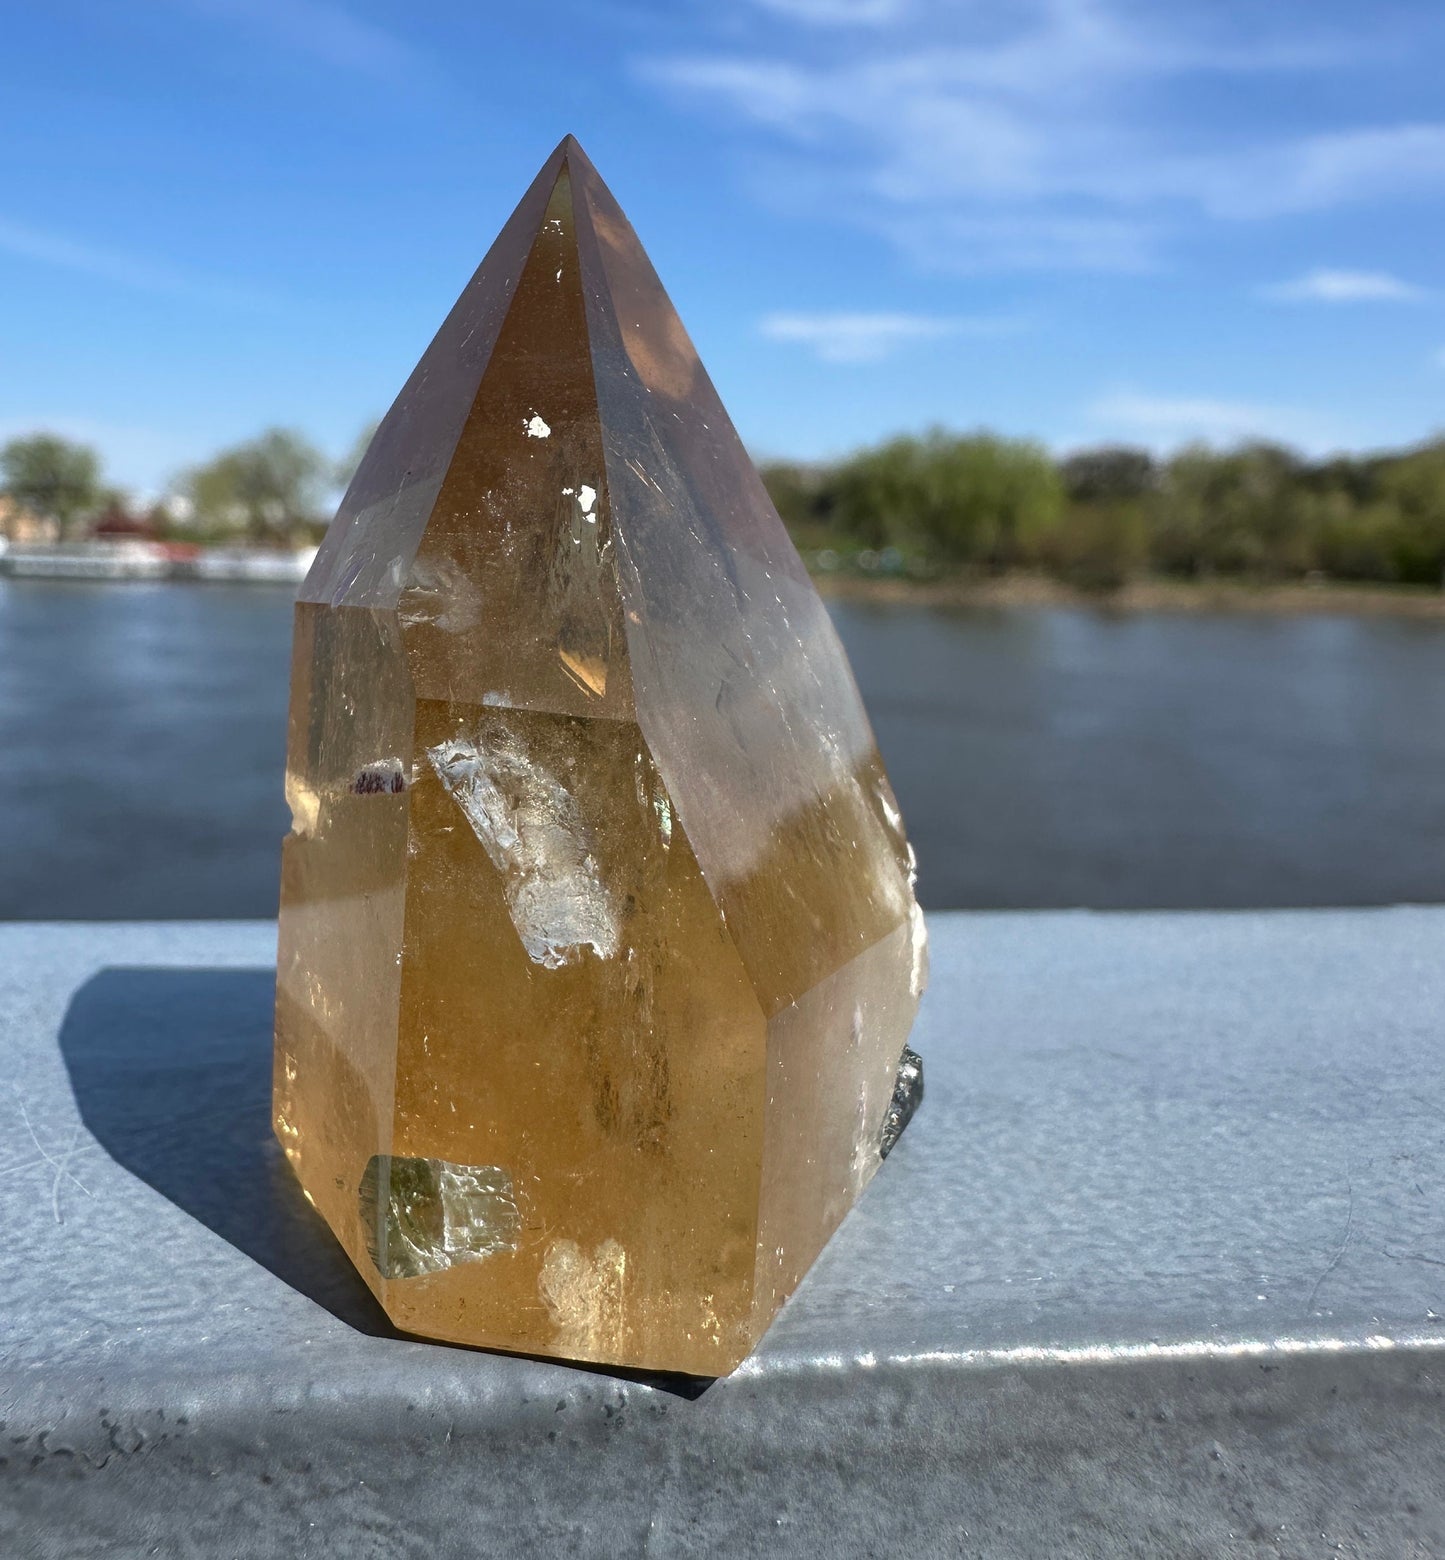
point(927, 504)
point(977, 502)
point(269, 490)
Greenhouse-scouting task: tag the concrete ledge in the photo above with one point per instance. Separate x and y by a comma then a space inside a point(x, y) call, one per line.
point(1159, 1268)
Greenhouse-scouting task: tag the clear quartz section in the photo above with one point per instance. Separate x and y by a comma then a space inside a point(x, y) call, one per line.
point(423, 1215)
point(598, 941)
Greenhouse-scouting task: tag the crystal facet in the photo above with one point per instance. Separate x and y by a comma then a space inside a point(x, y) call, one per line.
point(598, 944)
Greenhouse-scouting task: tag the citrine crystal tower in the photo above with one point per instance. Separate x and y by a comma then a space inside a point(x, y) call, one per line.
point(598, 944)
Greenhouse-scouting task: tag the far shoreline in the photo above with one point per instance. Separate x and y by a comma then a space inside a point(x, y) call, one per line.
point(1294, 598)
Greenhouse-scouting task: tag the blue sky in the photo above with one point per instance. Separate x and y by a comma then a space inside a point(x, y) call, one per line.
point(1081, 220)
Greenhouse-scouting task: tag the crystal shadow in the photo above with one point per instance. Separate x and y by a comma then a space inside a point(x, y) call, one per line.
point(171, 1070)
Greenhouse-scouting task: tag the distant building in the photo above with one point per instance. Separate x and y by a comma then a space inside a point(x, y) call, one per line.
point(115, 524)
point(22, 526)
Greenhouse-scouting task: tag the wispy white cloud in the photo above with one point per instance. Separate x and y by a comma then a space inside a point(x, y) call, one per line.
point(868, 338)
point(1030, 143)
point(1327, 286)
point(936, 236)
point(62, 252)
point(320, 29)
point(1309, 173)
point(838, 13)
point(1168, 420)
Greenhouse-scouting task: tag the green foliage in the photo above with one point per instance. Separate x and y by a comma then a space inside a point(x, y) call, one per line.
point(1236, 512)
point(1112, 474)
point(1414, 488)
point(345, 468)
point(53, 478)
point(876, 495)
point(1101, 517)
point(1357, 541)
point(1100, 546)
point(1104, 539)
point(799, 494)
point(269, 488)
point(921, 504)
point(978, 499)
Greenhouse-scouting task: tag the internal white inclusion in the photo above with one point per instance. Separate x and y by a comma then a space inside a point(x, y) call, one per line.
point(531, 827)
point(536, 428)
point(917, 950)
point(438, 592)
point(890, 810)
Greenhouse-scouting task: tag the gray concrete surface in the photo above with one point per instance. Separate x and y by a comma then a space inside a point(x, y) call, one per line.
point(1159, 1269)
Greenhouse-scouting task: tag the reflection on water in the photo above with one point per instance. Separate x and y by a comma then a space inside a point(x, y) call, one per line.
point(1041, 756)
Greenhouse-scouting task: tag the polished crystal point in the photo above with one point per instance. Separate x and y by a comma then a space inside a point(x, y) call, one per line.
point(598, 944)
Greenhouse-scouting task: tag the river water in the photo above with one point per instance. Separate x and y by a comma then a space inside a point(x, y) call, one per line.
point(1042, 756)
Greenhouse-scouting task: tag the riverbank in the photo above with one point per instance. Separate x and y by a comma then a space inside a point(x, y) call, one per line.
point(1145, 595)
point(137, 559)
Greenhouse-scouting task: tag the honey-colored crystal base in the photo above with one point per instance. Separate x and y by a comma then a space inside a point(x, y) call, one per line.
point(598, 944)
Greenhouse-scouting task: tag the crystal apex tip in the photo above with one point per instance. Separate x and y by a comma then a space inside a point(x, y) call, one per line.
point(570, 146)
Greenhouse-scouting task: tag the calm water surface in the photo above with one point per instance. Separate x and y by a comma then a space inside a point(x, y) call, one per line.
point(1042, 757)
